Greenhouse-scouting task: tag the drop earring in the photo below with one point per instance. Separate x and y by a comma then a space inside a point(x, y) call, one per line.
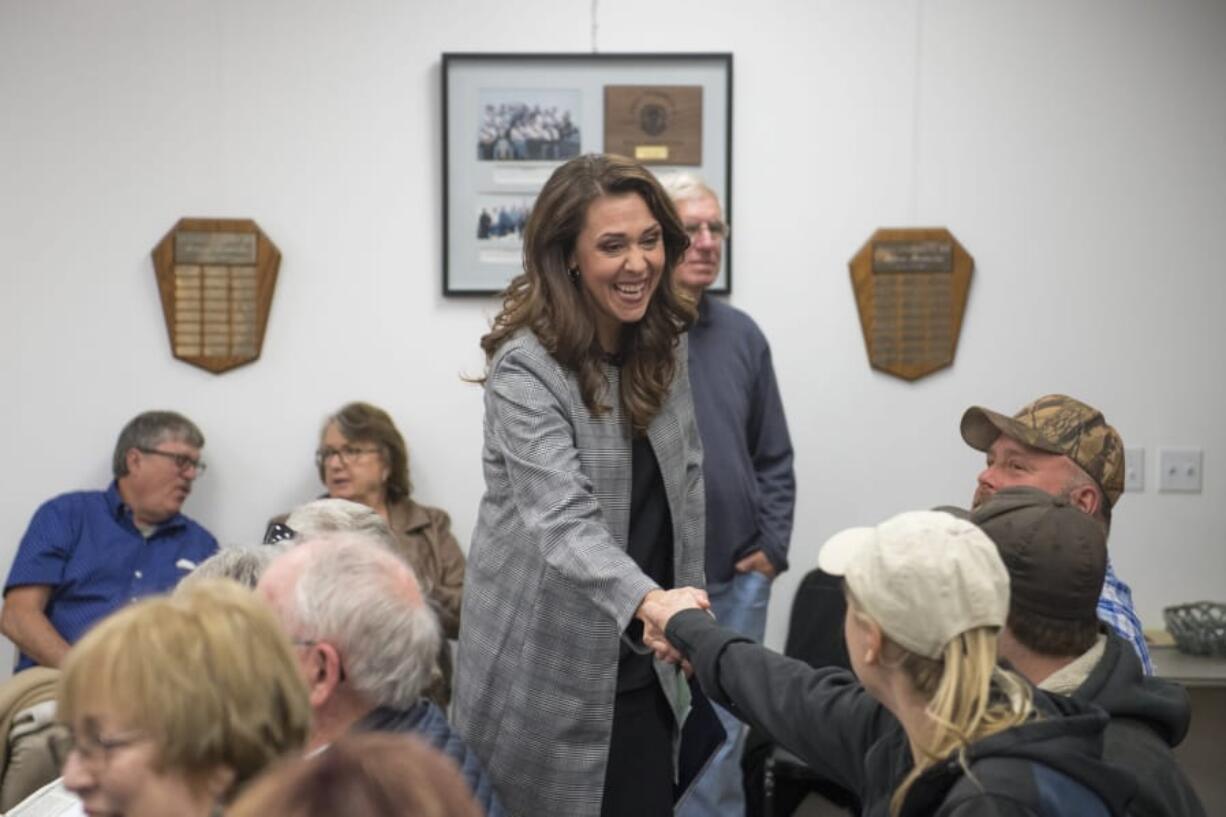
point(574, 275)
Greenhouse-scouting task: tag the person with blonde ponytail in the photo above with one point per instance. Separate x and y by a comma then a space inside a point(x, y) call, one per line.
point(929, 724)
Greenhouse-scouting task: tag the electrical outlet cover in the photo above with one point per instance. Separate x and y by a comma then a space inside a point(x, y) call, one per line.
point(1179, 470)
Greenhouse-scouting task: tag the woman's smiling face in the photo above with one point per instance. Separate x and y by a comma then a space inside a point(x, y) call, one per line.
point(619, 255)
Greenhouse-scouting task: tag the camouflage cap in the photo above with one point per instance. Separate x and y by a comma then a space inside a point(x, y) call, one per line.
point(1057, 424)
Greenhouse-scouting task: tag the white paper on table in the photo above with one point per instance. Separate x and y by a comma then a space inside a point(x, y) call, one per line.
point(52, 800)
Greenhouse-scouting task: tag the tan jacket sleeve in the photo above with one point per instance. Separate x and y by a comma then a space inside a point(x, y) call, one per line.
point(448, 586)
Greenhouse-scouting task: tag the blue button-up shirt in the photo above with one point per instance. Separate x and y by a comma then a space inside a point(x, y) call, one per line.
point(85, 546)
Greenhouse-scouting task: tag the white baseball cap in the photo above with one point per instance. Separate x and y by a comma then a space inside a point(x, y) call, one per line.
point(923, 576)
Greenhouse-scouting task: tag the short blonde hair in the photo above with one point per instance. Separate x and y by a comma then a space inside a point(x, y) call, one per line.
point(206, 673)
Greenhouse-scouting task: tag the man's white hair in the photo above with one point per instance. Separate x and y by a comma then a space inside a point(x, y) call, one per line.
point(364, 600)
point(339, 516)
point(242, 563)
point(682, 185)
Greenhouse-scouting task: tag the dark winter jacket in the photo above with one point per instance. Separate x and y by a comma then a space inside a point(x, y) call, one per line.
point(1049, 767)
point(1149, 717)
point(427, 721)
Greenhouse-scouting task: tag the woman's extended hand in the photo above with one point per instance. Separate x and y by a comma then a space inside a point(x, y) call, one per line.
point(657, 607)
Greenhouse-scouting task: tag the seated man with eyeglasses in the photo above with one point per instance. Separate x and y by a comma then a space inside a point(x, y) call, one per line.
point(87, 553)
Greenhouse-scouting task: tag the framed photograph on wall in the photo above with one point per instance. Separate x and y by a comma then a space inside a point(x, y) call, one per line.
point(509, 120)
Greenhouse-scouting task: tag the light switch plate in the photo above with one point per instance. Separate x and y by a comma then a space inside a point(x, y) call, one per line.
point(1134, 470)
point(1179, 470)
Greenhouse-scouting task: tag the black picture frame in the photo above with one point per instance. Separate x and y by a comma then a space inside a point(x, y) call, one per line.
point(490, 180)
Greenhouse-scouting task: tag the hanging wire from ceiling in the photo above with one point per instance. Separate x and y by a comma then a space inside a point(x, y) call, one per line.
point(917, 88)
point(595, 24)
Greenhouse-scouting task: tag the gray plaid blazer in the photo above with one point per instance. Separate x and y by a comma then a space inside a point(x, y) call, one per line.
point(549, 587)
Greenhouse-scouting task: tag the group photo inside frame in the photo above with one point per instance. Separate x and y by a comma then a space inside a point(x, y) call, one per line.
point(509, 120)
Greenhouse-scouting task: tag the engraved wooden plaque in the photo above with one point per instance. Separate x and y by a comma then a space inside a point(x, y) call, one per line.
point(911, 287)
point(216, 278)
point(654, 124)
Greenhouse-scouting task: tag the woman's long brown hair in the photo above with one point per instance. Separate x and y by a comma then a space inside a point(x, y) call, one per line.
point(546, 299)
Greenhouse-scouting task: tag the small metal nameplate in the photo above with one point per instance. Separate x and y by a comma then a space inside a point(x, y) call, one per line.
point(912, 256)
point(215, 248)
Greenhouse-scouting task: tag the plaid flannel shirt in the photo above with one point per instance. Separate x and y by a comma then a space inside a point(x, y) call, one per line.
point(1115, 609)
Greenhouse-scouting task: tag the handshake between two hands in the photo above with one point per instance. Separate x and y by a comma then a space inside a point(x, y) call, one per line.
point(657, 607)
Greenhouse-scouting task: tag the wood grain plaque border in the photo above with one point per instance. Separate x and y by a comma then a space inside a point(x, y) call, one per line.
point(216, 279)
point(911, 286)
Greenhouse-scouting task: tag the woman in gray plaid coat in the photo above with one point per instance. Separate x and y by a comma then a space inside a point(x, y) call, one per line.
point(593, 502)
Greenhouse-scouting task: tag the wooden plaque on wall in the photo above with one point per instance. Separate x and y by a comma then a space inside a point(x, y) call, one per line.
point(911, 287)
point(216, 278)
point(654, 124)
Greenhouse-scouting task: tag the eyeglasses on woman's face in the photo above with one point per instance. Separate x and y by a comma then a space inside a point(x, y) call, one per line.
point(349, 454)
point(356, 470)
point(91, 747)
point(117, 771)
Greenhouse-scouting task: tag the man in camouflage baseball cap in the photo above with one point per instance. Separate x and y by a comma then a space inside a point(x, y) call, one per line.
point(1065, 448)
point(1056, 425)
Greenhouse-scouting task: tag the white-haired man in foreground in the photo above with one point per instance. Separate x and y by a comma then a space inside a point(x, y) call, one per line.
point(366, 641)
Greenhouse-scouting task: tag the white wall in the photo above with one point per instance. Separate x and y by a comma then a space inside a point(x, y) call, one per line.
point(1077, 149)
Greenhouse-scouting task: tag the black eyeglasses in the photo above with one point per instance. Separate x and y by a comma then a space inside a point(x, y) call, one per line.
point(347, 453)
point(182, 461)
point(719, 230)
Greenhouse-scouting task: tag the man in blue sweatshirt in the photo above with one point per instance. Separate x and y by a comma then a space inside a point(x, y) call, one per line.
point(747, 456)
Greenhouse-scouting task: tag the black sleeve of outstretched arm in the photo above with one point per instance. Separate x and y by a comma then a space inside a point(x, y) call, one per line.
point(822, 716)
